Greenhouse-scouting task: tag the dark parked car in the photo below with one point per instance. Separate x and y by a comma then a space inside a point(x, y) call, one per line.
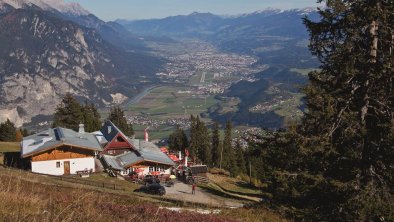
point(150, 179)
point(153, 188)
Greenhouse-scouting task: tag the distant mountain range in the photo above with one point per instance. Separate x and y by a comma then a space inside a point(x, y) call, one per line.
point(276, 36)
point(49, 48)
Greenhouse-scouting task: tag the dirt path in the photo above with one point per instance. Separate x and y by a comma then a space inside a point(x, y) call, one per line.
point(183, 191)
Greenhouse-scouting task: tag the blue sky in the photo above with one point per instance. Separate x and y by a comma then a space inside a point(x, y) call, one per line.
point(142, 9)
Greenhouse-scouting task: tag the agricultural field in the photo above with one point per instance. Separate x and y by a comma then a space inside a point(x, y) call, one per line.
point(155, 133)
point(289, 109)
point(172, 102)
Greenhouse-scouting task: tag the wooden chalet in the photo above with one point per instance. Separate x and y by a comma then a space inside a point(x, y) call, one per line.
point(126, 155)
point(61, 151)
point(114, 141)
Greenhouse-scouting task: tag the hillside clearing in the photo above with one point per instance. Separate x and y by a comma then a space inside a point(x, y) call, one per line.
point(49, 199)
point(9, 147)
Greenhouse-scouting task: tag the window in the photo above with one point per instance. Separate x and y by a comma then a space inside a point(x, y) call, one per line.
point(57, 164)
point(151, 169)
point(119, 139)
point(158, 168)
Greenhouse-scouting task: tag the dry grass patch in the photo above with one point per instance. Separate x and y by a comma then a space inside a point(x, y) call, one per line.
point(9, 147)
point(29, 200)
point(234, 185)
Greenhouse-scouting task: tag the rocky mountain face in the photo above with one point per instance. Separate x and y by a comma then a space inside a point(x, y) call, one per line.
point(43, 56)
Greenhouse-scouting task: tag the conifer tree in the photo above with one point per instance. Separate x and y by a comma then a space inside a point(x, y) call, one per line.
point(240, 158)
point(220, 154)
point(25, 132)
point(228, 161)
point(204, 147)
point(215, 145)
point(7, 131)
point(348, 130)
point(91, 117)
point(200, 146)
point(118, 118)
point(178, 140)
point(193, 136)
point(68, 113)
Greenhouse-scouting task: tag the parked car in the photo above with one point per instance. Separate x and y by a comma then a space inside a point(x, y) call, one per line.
point(153, 188)
point(151, 179)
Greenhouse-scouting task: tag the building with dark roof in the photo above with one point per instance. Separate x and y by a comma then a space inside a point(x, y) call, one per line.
point(60, 151)
point(127, 155)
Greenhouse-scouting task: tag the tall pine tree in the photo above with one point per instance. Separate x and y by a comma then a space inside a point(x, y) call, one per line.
point(204, 147)
point(7, 131)
point(178, 140)
point(193, 148)
point(91, 117)
point(200, 146)
point(228, 155)
point(348, 130)
point(240, 158)
point(215, 145)
point(118, 118)
point(68, 113)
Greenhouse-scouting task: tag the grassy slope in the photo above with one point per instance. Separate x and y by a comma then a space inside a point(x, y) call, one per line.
point(9, 147)
point(29, 197)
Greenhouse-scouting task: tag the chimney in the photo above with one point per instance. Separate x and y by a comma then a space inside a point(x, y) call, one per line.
point(146, 136)
point(81, 128)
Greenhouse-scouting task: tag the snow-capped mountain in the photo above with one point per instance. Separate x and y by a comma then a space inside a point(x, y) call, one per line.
point(59, 5)
point(44, 54)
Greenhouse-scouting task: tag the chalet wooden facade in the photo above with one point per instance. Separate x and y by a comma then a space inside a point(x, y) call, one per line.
point(116, 142)
point(60, 151)
point(126, 155)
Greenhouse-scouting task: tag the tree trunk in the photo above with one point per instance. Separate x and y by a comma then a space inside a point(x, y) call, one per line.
point(374, 34)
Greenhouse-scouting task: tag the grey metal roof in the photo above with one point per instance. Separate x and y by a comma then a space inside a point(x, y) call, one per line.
point(123, 160)
point(146, 151)
point(130, 158)
point(151, 152)
point(55, 137)
point(113, 162)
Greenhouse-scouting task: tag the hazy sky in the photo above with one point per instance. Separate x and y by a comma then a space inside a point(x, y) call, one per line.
point(141, 9)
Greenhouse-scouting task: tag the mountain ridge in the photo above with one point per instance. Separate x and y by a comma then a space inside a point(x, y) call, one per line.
point(44, 56)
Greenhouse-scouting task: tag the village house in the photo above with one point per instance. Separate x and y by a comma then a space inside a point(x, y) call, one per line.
point(60, 151)
point(125, 155)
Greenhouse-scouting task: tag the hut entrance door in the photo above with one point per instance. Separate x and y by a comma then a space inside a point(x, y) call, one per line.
point(66, 167)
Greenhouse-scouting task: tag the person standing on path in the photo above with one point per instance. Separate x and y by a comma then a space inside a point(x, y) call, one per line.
point(193, 188)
